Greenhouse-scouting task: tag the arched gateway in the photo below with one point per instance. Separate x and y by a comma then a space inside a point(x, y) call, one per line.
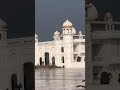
point(53, 60)
point(46, 58)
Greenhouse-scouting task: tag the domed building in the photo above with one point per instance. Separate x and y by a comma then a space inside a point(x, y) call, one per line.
point(16, 61)
point(102, 50)
point(67, 49)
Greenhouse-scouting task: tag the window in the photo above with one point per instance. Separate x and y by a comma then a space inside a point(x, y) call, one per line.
point(41, 62)
point(79, 59)
point(0, 36)
point(62, 49)
point(63, 60)
point(53, 60)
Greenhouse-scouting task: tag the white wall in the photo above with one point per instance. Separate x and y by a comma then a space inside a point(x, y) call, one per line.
point(11, 63)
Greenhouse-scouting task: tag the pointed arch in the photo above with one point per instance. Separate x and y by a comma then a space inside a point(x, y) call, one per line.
point(53, 60)
point(40, 60)
point(47, 58)
point(0, 36)
point(62, 59)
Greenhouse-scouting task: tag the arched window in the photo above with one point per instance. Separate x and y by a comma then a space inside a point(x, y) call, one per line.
point(62, 59)
point(29, 79)
point(53, 60)
point(79, 59)
point(62, 49)
point(14, 81)
point(41, 61)
point(0, 36)
point(46, 58)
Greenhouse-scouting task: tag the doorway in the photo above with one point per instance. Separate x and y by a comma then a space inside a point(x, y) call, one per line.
point(40, 61)
point(53, 60)
point(46, 58)
point(29, 76)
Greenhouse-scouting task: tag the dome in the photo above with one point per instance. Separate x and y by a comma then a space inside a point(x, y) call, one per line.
point(80, 33)
point(108, 14)
point(67, 24)
point(73, 30)
point(56, 33)
point(36, 35)
point(92, 12)
point(2, 24)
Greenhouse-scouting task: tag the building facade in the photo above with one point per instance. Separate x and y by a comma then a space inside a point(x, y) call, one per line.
point(65, 50)
point(102, 50)
point(16, 61)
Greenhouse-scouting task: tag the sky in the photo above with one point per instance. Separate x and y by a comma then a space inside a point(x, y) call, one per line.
point(111, 6)
point(20, 17)
point(25, 17)
point(50, 15)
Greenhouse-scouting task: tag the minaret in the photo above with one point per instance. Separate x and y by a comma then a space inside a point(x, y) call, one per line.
point(109, 20)
point(3, 30)
point(56, 36)
point(57, 48)
point(68, 32)
point(36, 38)
point(37, 54)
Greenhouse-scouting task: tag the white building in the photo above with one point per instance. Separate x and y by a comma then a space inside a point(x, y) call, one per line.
point(16, 61)
point(102, 50)
point(66, 50)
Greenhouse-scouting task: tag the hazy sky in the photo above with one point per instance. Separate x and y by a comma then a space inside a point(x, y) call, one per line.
point(50, 14)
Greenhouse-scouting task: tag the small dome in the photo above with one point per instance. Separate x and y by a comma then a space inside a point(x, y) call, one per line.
point(108, 14)
point(73, 30)
point(80, 33)
point(92, 12)
point(2, 24)
point(67, 24)
point(56, 33)
point(36, 35)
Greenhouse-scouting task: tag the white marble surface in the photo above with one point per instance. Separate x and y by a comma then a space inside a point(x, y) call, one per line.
point(59, 79)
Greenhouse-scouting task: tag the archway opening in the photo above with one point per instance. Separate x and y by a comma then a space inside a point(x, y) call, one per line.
point(29, 76)
point(14, 81)
point(41, 63)
point(105, 79)
point(0, 36)
point(63, 60)
point(53, 60)
point(46, 58)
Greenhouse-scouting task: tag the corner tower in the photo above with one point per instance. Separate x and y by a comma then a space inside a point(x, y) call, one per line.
point(68, 32)
point(68, 28)
point(57, 48)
